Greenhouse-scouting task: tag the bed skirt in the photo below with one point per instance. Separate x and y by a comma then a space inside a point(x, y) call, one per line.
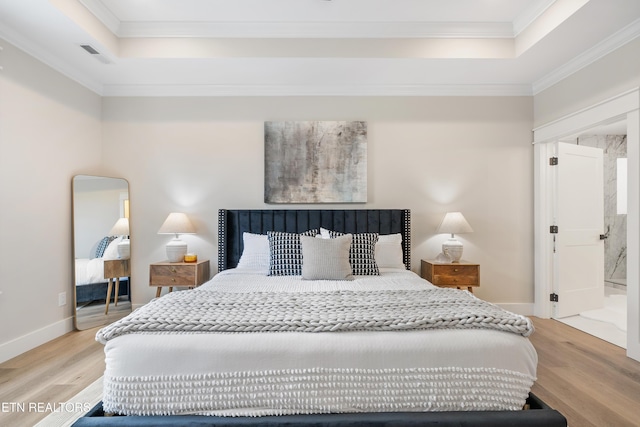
point(98, 291)
point(538, 414)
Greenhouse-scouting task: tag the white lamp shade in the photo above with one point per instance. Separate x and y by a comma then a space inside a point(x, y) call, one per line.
point(453, 223)
point(120, 228)
point(176, 223)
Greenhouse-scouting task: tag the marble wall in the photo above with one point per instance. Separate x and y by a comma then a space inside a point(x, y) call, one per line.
point(615, 225)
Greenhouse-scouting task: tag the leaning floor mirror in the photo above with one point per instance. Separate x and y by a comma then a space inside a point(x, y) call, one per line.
point(102, 262)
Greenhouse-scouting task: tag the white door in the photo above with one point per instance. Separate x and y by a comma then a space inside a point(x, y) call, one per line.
point(579, 213)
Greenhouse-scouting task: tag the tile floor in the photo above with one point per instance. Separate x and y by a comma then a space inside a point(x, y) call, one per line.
point(598, 328)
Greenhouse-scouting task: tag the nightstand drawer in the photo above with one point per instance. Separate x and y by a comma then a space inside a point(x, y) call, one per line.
point(116, 268)
point(454, 275)
point(463, 275)
point(178, 275)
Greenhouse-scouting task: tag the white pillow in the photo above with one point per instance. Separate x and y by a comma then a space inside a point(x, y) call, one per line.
point(112, 250)
point(255, 255)
point(389, 251)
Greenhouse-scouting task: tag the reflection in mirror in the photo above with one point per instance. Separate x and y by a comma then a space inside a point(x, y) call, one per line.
point(101, 250)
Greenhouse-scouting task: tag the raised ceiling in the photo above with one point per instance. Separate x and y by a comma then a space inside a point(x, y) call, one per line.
point(318, 47)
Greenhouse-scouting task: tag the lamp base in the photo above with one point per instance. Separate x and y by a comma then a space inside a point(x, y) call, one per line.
point(453, 249)
point(176, 250)
point(443, 258)
point(124, 249)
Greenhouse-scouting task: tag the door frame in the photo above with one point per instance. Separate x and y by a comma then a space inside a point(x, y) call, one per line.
point(624, 106)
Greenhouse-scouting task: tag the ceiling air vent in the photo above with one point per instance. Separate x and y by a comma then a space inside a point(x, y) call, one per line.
point(89, 49)
point(95, 53)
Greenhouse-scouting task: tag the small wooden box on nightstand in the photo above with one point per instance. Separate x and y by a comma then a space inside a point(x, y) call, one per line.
point(188, 274)
point(454, 275)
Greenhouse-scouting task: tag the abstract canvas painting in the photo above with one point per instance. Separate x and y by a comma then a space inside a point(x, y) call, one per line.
point(315, 162)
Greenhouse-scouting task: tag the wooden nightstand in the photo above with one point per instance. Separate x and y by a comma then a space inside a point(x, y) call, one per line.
point(189, 274)
point(115, 269)
point(454, 275)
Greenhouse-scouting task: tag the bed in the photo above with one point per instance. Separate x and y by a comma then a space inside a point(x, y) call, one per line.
point(89, 273)
point(291, 349)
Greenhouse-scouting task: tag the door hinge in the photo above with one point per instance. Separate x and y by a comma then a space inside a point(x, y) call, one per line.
point(553, 229)
point(553, 297)
point(553, 161)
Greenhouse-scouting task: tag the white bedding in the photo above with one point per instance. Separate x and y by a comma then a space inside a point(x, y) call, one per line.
point(295, 372)
point(89, 271)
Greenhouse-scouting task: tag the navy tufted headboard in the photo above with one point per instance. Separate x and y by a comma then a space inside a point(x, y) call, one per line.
point(232, 223)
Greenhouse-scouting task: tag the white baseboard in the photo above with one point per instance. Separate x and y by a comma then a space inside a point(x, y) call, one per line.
point(17, 346)
point(524, 308)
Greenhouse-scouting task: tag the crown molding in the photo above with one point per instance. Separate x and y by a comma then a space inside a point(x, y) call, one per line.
point(316, 90)
point(272, 29)
point(603, 112)
point(52, 61)
point(104, 15)
point(168, 90)
point(329, 30)
point(527, 17)
point(608, 45)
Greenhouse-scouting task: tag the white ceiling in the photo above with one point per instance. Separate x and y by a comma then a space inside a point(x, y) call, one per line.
point(318, 47)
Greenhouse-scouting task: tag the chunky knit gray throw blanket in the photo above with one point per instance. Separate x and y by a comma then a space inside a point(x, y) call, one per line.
point(204, 310)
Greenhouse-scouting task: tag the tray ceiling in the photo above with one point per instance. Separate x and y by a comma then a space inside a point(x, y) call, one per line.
point(318, 47)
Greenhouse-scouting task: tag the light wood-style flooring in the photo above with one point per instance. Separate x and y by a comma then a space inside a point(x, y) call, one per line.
point(591, 382)
point(52, 373)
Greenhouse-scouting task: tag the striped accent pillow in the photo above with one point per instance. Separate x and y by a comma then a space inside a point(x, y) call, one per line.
point(285, 252)
point(102, 246)
point(362, 254)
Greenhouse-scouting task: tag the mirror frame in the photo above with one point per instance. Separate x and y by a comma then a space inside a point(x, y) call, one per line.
point(100, 312)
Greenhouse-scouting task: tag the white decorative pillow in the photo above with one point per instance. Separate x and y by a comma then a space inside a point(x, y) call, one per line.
point(255, 253)
point(389, 251)
point(326, 259)
point(112, 250)
point(324, 233)
point(285, 252)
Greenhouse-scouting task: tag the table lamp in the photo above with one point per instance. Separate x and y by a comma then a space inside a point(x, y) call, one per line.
point(121, 228)
point(176, 223)
point(453, 223)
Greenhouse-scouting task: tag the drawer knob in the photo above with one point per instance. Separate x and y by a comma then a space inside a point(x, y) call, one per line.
point(173, 280)
point(455, 269)
point(173, 269)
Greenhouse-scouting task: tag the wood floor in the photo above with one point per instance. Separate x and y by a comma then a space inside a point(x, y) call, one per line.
point(591, 382)
point(52, 373)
